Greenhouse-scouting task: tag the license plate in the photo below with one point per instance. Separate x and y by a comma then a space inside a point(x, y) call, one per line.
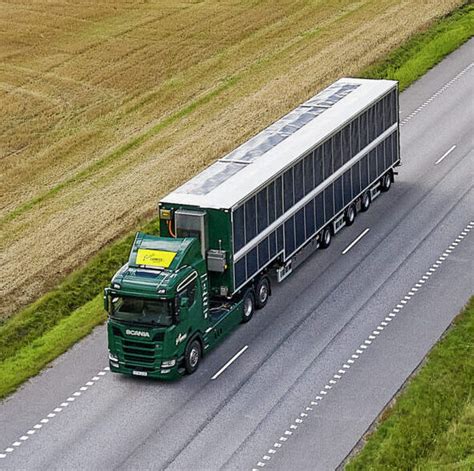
point(139, 373)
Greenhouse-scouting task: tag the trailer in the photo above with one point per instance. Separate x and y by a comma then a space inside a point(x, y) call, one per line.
point(299, 179)
point(294, 185)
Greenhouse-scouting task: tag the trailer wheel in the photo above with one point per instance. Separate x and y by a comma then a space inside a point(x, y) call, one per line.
point(386, 182)
point(248, 305)
point(326, 238)
point(192, 356)
point(262, 292)
point(350, 215)
point(365, 201)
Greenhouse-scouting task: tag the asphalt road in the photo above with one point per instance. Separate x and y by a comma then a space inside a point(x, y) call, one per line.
point(322, 359)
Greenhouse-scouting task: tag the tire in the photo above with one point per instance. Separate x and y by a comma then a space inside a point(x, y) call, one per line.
point(350, 215)
point(262, 292)
point(365, 201)
point(248, 305)
point(192, 356)
point(386, 182)
point(326, 237)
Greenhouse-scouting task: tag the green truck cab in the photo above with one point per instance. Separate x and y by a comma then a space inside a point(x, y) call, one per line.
point(160, 319)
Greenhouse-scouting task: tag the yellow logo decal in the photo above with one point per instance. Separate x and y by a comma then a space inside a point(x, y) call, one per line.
point(155, 258)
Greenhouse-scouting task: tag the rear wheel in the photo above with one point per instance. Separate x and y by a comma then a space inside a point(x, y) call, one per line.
point(326, 238)
point(262, 292)
point(192, 356)
point(350, 215)
point(248, 305)
point(386, 182)
point(365, 201)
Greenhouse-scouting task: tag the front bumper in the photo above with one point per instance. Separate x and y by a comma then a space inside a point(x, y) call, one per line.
point(147, 371)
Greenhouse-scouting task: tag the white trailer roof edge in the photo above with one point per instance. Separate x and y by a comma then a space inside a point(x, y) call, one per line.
point(239, 174)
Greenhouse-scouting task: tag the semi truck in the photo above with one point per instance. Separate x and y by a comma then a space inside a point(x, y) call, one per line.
point(237, 227)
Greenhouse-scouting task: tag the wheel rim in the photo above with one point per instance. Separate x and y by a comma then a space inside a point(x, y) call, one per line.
point(194, 357)
point(327, 237)
point(388, 182)
point(351, 214)
point(263, 293)
point(248, 307)
point(366, 201)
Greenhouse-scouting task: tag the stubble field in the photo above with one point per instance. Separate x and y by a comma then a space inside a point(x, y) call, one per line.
point(107, 106)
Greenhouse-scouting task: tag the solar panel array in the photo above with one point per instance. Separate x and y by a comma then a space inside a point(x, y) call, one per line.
point(266, 140)
point(372, 135)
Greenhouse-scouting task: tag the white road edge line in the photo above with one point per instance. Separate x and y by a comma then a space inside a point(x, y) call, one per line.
point(237, 355)
point(349, 247)
point(445, 155)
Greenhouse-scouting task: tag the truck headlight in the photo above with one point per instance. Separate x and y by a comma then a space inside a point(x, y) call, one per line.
point(113, 357)
point(168, 363)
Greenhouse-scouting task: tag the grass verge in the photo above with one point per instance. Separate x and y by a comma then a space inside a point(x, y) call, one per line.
point(30, 359)
point(431, 424)
point(36, 322)
point(423, 51)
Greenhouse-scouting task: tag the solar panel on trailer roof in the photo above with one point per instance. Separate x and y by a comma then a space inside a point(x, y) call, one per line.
point(241, 172)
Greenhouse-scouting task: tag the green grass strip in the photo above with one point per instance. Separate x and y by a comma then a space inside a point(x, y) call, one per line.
point(455, 446)
point(32, 358)
point(423, 51)
point(406, 63)
point(431, 425)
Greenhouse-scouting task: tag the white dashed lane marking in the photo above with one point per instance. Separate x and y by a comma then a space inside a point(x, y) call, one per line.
point(37, 427)
point(237, 355)
point(354, 242)
point(315, 401)
point(435, 95)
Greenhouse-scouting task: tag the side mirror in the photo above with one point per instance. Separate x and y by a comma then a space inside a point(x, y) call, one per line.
point(184, 302)
point(106, 299)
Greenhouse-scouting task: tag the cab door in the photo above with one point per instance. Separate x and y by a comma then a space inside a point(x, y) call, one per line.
point(192, 321)
point(195, 289)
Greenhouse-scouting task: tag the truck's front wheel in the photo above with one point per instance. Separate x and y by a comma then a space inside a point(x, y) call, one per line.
point(192, 356)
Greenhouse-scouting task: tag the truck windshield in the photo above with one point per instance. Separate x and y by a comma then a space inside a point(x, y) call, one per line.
point(145, 311)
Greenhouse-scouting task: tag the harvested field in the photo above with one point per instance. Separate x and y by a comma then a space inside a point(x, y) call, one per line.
point(108, 106)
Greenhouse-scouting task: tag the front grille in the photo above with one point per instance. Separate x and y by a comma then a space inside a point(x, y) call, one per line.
point(138, 359)
point(138, 345)
point(139, 352)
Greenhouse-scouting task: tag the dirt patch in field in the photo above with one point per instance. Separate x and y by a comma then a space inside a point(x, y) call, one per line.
point(108, 107)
